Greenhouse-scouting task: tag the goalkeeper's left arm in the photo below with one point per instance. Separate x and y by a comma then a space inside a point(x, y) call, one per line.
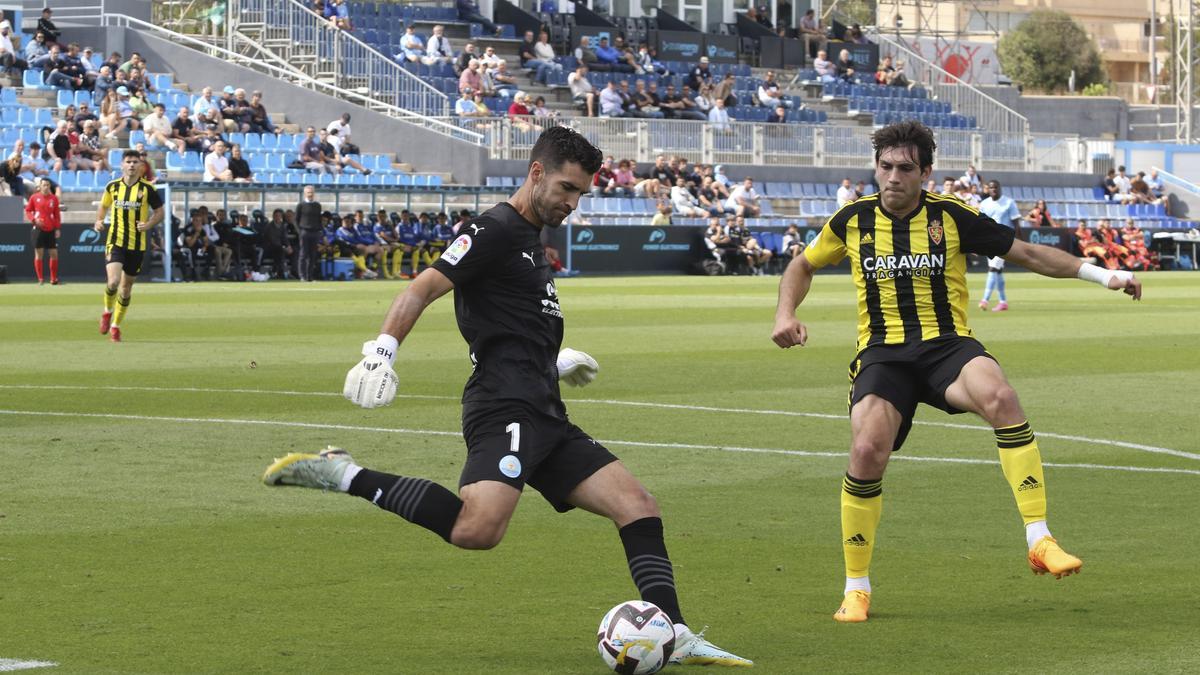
point(372, 383)
point(576, 368)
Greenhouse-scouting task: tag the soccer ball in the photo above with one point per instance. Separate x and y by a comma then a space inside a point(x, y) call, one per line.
point(636, 638)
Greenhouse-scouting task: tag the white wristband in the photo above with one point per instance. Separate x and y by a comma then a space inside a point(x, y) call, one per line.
point(385, 345)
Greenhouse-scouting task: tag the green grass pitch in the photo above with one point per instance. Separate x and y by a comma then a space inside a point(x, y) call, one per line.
point(136, 538)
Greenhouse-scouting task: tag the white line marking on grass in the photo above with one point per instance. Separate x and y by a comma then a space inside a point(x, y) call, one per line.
point(637, 444)
point(637, 404)
point(9, 665)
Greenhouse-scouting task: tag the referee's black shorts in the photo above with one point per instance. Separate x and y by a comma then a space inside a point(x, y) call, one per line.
point(44, 238)
point(907, 374)
point(131, 260)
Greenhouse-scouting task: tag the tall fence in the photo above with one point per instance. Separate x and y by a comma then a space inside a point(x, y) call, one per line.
point(989, 113)
point(786, 144)
point(308, 41)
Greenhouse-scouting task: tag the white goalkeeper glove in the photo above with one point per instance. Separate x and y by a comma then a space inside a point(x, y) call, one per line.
point(576, 368)
point(372, 383)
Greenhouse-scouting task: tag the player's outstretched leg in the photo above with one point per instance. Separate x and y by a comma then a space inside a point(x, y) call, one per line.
point(417, 500)
point(1022, 464)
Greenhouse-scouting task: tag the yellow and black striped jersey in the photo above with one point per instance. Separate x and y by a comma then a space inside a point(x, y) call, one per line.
point(129, 205)
point(910, 271)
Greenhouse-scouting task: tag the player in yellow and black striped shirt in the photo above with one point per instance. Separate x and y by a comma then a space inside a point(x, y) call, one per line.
point(907, 251)
point(136, 208)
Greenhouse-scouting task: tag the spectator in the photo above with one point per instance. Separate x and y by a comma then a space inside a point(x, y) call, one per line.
point(812, 33)
point(854, 35)
point(793, 242)
point(140, 104)
point(699, 75)
point(209, 128)
point(9, 59)
point(540, 110)
point(333, 146)
point(501, 80)
point(690, 108)
point(708, 198)
point(59, 147)
point(703, 99)
point(720, 180)
point(719, 117)
point(626, 54)
point(889, 74)
point(342, 124)
point(628, 104)
point(723, 91)
point(525, 50)
point(604, 182)
point(1109, 185)
point(717, 242)
point(971, 179)
point(1124, 185)
point(845, 66)
point(337, 12)
point(1139, 190)
point(743, 200)
point(963, 192)
point(845, 193)
point(612, 59)
point(673, 107)
point(36, 47)
point(193, 247)
point(88, 64)
point(202, 103)
point(468, 10)
point(585, 55)
point(438, 47)
point(184, 131)
point(311, 155)
point(1155, 184)
point(468, 53)
point(769, 94)
point(239, 168)
point(12, 168)
point(103, 83)
point(648, 104)
point(159, 131)
point(84, 114)
point(1139, 257)
point(582, 91)
point(470, 77)
point(739, 240)
point(273, 235)
point(610, 101)
point(216, 165)
point(46, 27)
point(260, 121)
point(235, 110)
point(777, 116)
point(662, 216)
point(624, 178)
point(412, 49)
point(519, 113)
point(647, 64)
point(91, 147)
point(543, 62)
point(684, 203)
point(1039, 215)
point(827, 71)
point(1107, 236)
point(860, 190)
point(465, 105)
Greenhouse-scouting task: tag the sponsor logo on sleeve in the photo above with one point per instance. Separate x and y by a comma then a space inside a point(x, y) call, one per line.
point(458, 249)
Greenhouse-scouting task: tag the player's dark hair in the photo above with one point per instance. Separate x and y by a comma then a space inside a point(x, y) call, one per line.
point(908, 133)
point(131, 153)
point(559, 145)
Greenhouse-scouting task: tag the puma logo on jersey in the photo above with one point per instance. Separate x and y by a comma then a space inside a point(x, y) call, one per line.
point(530, 257)
point(477, 229)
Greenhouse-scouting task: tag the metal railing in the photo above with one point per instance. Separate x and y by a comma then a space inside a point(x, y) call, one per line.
point(306, 40)
point(989, 113)
point(299, 79)
point(1178, 182)
point(781, 144)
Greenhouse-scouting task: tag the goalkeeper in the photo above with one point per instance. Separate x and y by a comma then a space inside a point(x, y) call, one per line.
point(514, 420)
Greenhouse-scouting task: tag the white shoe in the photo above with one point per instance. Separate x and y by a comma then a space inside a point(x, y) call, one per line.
point(691, 649)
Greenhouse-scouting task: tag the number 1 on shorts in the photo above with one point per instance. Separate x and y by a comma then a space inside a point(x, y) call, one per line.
point(514, 433)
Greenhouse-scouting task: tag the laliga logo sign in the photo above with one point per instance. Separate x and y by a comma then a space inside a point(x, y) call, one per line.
point(1047, 239)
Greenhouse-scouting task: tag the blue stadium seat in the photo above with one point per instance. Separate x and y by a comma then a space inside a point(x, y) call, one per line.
point(136, 136)
point(33, 80)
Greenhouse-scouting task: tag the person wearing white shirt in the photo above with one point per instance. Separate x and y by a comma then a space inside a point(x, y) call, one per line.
point(769, 93)
point(610, 101)
point(216, 165)
point(1124, 184)
point(438, 47)
point(544, 64)
point(582, 91)
point(684, 203)
point(159, 130)
point(203, 102)
point(743, 200)
point(826, 70)
point(490, 59)
point(411, 48)
point(719, 116)
point(845, 193)
point(971, 178)
point(342, 125)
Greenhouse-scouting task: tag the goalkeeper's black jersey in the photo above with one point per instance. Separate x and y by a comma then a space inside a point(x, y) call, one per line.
point(508, 312)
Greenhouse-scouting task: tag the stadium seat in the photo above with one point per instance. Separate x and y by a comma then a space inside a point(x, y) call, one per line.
point(136, 136)
point(32, 79)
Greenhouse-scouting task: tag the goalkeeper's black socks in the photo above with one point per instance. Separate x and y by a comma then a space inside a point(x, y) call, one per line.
point(417, 500)
point(651, 568)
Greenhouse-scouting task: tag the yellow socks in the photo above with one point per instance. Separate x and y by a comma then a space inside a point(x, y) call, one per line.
point(110, 298)
point(119, 315)
point(862, 504)
point(1022, 464)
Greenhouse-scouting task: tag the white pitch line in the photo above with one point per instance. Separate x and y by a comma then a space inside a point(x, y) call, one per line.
point(10, 665)
point(637, 404)
point(637, 444)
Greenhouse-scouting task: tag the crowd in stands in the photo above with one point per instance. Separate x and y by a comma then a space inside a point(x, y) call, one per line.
point(1119, 187)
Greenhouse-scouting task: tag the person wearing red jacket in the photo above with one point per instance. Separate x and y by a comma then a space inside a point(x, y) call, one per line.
point(43, 211)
